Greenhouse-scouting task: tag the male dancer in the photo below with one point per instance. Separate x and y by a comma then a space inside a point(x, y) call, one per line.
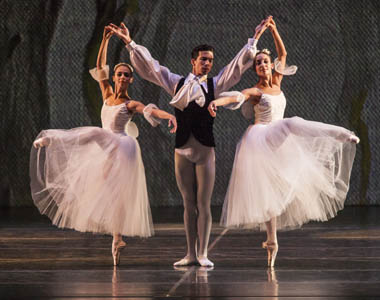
point(194, 148)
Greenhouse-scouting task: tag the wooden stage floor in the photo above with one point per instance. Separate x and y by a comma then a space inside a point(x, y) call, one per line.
point(339, 259)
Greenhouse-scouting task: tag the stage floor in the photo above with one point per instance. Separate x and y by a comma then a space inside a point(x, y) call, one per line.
point(338, 259)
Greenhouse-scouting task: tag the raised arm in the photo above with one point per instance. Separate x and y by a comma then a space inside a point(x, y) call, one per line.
point(280, 49)
point(145, 65)
point(101, 73)
point(152, 114)
point(231, 74)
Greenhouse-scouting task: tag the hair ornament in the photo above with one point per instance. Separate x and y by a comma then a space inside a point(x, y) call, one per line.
point(123, 64)
point(265, 51)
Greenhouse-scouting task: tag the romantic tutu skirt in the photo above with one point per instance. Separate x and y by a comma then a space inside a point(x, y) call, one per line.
point(292, 169)
point(91, 179)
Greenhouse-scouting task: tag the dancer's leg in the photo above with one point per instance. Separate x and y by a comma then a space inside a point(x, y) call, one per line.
point(117, 245)
point(271, 243)
point(300, 127)
point(185, 176)
point(271, 227)
point(205, 174)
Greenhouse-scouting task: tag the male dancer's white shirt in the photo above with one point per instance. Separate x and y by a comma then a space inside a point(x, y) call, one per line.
point(150, 69)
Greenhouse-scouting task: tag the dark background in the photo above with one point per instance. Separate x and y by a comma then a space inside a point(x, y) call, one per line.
point(47, 48)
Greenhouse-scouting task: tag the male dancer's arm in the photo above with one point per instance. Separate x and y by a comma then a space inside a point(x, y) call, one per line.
point(150, 69)
point(231, 74)
point(143, 62)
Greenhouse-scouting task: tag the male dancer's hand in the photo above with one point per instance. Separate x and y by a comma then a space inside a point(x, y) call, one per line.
point(212, 109)
point(122, 32)
point(172, 122)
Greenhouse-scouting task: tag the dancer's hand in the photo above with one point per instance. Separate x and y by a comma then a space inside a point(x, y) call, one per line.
point(107, 33)
point(172, 122)
point(262, 27)
point(122, 32)
point(271, 24)
point(212, 108)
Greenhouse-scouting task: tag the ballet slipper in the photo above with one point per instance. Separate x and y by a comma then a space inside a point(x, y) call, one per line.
point(205, 262)
point(186, 261)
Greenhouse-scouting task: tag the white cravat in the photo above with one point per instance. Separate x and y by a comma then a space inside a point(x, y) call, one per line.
point(190, 91)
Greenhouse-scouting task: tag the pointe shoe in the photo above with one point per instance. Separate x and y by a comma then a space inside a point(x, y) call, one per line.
point(41, 142)
point(354, 139)
point(116, 249)
point(272, 249)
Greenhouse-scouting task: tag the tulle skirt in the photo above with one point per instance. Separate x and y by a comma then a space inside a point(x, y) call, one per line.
point(91, 179)
point(291, 169)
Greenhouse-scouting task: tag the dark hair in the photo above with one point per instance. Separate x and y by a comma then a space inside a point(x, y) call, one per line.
point(263, 51)
point(125, 65)
point(195, 52)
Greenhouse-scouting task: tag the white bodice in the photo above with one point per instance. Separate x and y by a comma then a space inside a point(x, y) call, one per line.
point(115, 117)
point(270, 108)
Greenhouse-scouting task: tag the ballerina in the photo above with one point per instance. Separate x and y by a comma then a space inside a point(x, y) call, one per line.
point(93, 179)
point(288, 171)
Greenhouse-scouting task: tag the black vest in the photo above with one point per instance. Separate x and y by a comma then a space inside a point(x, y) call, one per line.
point(195, 119)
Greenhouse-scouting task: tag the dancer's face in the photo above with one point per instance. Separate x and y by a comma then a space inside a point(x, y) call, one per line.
point(203, 64)
point(263, 65)
point(123, 77)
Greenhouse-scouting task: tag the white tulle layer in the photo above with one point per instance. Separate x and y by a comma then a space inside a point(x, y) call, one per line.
point(91, 179)
point(292, 169)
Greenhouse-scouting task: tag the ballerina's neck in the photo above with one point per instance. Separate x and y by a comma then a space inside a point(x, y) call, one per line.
point(117, 99)
point(265, 82)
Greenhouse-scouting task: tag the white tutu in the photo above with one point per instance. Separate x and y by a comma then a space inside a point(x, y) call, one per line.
point(292, 169)
point(91, 179)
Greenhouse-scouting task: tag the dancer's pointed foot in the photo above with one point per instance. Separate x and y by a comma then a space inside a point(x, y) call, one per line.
point(205, 262)
point(272, 248)
point(354, 139)
point(186, 261)
point(117, 247)
point(41, 142)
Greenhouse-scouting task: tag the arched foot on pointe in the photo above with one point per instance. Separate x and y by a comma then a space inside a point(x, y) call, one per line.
point(117, 247)
point(354, 139)
point(41, 142)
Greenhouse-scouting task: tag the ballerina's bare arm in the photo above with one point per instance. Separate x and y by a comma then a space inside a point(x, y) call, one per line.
point(101, 62)
point(138, 107)
point(280, 49)
point(248, 94)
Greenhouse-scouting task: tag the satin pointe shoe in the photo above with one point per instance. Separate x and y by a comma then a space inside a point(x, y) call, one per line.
point(272, 249)
point(354, 139)
point(41, 142)
point(117, 247)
